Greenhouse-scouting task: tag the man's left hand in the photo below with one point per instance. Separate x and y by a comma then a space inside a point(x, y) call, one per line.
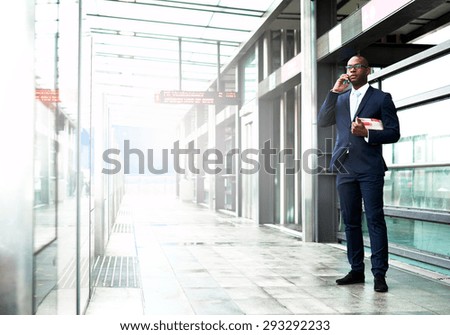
point(358, 128)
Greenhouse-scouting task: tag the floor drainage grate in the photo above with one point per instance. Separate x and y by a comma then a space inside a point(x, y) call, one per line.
point(122, 228)
point(116, 271)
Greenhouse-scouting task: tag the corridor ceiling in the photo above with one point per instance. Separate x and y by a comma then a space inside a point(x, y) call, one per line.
point(138, 45)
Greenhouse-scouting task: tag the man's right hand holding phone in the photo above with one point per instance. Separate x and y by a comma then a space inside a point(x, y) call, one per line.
point(341, 84)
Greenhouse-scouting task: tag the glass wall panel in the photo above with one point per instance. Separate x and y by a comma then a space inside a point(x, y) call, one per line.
point(290, 45)
point(290, 145)
point(248, 180)
point(68, 219)
point(275, 50)
point(420, 188)
point(250, 80)
point(229, 178)
point(407, 83)
point(57, 178)
point(276, 144)
point(84, 179)
point(45, 159)
point(419, 235)
point(424, 139)
point(419, 163)
point(203, 182)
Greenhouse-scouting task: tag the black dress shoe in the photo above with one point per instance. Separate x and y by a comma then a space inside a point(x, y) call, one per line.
point(352, 277)
point(380, 284)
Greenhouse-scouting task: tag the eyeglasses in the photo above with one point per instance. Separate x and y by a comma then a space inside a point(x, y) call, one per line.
point(356, 66)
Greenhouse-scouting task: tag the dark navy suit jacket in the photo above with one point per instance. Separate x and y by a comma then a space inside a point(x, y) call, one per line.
point(354, 152)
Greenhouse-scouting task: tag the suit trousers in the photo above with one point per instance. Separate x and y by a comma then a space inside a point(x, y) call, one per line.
point(354, 189)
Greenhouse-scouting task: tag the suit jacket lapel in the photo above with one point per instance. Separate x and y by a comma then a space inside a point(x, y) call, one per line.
point(363, 101)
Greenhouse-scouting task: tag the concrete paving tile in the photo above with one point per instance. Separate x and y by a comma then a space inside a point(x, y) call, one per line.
point(306, 280)
point(234, 281)
point(287, 292)
point(250, 292)
point(164, 292)
point(270, 281)
point(262, 306)
point(258, 272)
point(116, 301)
point(216, 307)
point(225, 272)
point(168, 307)
point(381, 307)
point(332, 291)
point(206, 293)
point(197, 281)
point(307, 306)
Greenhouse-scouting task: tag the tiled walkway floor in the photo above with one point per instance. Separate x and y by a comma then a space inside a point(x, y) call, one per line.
point(195, 261)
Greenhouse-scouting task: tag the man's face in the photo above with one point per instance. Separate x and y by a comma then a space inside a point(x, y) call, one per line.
point(357, 71)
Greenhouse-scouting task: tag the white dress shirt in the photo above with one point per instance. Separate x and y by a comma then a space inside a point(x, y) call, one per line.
point(362, 90)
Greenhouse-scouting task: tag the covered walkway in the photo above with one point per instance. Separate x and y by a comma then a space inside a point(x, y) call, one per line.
point(166, 257)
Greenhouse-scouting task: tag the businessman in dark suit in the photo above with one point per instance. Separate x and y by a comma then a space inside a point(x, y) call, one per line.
point(357, 159)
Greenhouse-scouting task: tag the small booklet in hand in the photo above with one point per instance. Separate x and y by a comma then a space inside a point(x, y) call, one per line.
point(372, 124)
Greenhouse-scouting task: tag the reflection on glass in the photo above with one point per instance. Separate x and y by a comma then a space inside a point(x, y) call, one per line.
point(415, 234)
point(421, 235)
point(229, 178)
point(290, 164)
point(250, 78)
point(44, 190)
point(248, 180)
point(56, 147)
point(276, 143)
point(423, 141)
point(421, 188)
point(290, 44)
point(414, 126)
point(276, 50)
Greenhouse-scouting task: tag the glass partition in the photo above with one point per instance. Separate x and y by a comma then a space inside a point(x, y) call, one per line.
point(414, 180)
point(250, 80)
point(424, 135)
point(418, 178)
point(290, 163)
point(45, 158)
point(419, 79)
point(62, 163)
point(418, 188)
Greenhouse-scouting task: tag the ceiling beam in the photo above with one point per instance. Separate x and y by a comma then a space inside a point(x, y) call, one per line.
point(139, 34)
point(134, 19)
point(215, 9)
